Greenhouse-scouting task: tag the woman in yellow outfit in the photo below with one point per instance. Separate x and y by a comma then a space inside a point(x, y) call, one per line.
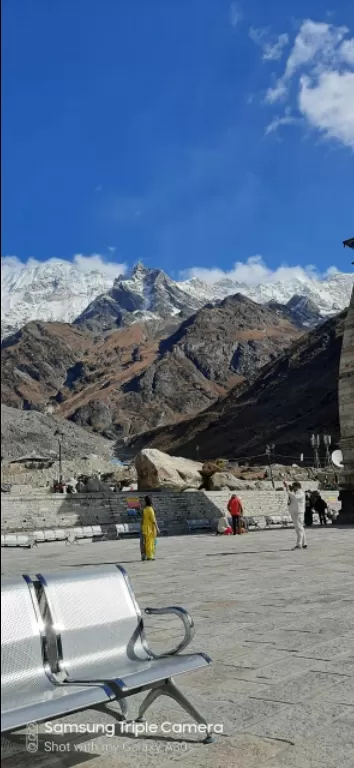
point(149, 531)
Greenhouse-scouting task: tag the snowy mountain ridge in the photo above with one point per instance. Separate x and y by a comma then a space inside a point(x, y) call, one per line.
point(59, 291)
point(55, 291)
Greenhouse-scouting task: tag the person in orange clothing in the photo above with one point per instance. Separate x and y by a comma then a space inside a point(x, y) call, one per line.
point(236, 510)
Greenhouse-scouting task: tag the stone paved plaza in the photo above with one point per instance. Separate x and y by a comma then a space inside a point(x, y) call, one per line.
point(279, 626)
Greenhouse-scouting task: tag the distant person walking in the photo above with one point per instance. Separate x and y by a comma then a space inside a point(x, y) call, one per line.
point(296, 504)
point(321, 507)
point(149, 531)
point(235, 508)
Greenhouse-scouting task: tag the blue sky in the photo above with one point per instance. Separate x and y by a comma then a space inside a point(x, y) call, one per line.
point(189, 134)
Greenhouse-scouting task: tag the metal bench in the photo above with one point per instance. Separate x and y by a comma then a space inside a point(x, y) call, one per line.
point(127, 529)
point(284, 521)
point(93, 532)
point(39, 537)
point(287, 521)
point(29, 692)
point(72, 538)
point(17, 540)
point(253, 522)
point(49, 535)
point(115, 651)
point(60, 534)
point(273, 520)
point(98, 534)
point(79, 532)
point(87, 531)
point(200, 525)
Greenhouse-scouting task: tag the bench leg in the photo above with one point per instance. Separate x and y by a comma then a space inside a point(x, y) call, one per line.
point(149, 699)
point(124, 706)
point(121, 702)
point(169, 688)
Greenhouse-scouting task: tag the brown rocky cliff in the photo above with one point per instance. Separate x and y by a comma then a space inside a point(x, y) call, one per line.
point(290, 399)
point(133, 379)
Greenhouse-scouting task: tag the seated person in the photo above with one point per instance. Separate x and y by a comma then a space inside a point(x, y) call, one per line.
point(224, 527)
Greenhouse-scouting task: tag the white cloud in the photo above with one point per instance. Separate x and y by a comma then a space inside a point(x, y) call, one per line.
point(99, 263)
point(258, 35)
point(316, 45)
point(271, 45)
point(274, 51)
point(328, 104)
point(278, 122)
point(347, 51)
point(319, 71)
point(277, 93)
point(236, 14)
point(315, 41)
point(252, 272)
point(92, 263)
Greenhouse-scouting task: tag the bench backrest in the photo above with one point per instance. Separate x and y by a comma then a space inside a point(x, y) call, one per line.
point(96, 617)
point(21, 652)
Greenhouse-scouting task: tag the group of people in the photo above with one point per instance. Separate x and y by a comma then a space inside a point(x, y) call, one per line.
point(235, 511)
point(315, 503)
point(301, 507)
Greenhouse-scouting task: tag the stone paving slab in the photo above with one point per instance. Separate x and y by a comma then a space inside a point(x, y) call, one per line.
point(279, 626)
point(295, 723)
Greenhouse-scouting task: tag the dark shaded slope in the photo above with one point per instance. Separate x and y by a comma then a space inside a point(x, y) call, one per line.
point(290, 398)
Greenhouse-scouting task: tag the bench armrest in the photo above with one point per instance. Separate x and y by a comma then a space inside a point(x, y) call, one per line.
point(188, 624)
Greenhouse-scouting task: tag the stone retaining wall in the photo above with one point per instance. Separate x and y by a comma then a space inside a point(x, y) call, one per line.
point(61, 511)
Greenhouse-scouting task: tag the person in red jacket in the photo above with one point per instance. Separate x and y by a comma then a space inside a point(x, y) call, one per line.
point(235, 508)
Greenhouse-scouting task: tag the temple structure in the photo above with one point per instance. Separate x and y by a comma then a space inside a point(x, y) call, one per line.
point(346, 413)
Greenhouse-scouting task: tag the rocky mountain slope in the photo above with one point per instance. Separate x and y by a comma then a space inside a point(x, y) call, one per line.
point(291, 398)
point(300, 310)
point(45, 363)
point(145, 294)
point(149, 294)
point(59, 291)
point(27, 432)
point(133, 379)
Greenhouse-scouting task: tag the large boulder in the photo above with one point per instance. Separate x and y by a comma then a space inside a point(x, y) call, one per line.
point(159, 470)
point(95, 485)
point(222, 480)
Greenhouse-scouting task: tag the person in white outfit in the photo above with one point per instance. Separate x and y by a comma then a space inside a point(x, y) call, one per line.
point(296, 505)
point(224, 527)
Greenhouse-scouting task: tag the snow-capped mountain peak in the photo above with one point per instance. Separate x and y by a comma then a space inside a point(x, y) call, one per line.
point(58, 291)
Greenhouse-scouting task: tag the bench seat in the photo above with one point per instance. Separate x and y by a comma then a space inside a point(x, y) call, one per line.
point(48, 702)
point(28, 692)
point(142, 674)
